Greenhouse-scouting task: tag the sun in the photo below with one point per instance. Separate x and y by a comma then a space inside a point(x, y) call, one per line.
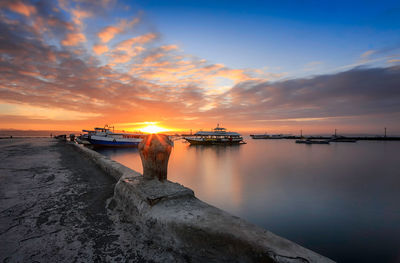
point(153, 129)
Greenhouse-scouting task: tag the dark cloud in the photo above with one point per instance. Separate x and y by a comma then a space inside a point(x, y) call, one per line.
point(361, 91)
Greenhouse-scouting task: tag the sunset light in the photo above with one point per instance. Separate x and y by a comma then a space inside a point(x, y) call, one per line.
point(153, 129)
point(105, 58)
point(217, 122)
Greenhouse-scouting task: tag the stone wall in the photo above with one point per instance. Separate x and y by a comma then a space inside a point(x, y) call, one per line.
point(176, 219)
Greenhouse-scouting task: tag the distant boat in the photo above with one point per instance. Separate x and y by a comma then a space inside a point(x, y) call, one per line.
point(341, 139)
point(218, 136)
point(308, 141)
point(269, 136)
point(259, 136)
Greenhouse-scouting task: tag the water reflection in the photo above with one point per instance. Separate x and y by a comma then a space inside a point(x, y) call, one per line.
point(340, 200)
point(216, 174)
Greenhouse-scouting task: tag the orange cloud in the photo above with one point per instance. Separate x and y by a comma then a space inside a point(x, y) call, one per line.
point(21, 8)
point(73, 39)
point(127, 44)
point(151, 58)
point(125, 55)
point(169, 47)
point(100, 49)
point(109, 32)
point(78, 15)
point(126, 50)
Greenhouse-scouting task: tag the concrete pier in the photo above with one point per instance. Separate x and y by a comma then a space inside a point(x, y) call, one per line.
point(55, 207)
point(62, 204)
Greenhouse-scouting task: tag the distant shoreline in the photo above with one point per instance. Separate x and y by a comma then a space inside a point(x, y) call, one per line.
point(6, 133)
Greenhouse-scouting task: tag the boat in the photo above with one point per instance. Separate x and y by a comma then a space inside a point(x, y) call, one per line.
point(115, 140)
point(269, 136)
point(308, 141)
point(104, 137)
point(259, 136)
point(218, 136)
point(341, 139)
point(84, 138)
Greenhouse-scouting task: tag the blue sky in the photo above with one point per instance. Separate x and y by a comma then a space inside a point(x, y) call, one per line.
point(280, 35)
point(277, 66)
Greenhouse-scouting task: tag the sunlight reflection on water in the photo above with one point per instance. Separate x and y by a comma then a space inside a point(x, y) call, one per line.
point(340, 200)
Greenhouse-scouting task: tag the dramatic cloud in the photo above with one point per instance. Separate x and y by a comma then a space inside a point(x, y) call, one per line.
point(361, 91)
point(56, 70)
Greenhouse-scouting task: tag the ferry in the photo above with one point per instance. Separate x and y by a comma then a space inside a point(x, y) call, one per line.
point(218, 136)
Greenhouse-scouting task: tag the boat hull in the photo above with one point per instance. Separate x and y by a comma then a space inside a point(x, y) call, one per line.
point(312, 142)
point(214, 142)
point(257, 137)
point(112, 142)
point(344, 140)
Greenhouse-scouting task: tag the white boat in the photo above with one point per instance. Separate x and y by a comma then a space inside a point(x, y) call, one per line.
point(218, 136)
point(104, 137)
point(115, 140)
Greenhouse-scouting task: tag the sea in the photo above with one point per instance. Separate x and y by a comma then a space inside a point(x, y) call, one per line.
point(341, 200)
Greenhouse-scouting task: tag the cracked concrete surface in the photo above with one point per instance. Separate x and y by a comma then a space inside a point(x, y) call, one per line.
point(53, 208)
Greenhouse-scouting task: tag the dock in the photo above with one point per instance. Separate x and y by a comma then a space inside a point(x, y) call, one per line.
point(64, 202)
point(54, 208)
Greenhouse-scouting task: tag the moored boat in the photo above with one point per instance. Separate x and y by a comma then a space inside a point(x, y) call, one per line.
point(218, 136)
point(104, 137)
point(308, 141)
point(259, 136)
point(115, 140)
point(269, 136)
point(336, 138)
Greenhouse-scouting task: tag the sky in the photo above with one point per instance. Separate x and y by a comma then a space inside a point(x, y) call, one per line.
point(252, 66)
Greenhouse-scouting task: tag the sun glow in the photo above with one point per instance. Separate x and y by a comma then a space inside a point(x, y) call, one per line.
point(153, 129)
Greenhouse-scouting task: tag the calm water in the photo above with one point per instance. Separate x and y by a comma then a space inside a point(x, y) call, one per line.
point(341, 200)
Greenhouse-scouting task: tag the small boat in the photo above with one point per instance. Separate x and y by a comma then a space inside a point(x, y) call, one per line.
point(218, 136)
point(84, 138)
point(308, 141)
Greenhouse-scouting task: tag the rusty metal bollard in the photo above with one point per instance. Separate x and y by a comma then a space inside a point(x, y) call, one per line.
point(154, 151)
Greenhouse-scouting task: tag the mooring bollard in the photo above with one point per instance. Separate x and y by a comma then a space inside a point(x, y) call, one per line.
point(154, 151)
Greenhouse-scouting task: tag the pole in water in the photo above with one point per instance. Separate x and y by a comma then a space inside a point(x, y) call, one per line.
point(385, 132)
point(335, 132)
point(301, 133)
